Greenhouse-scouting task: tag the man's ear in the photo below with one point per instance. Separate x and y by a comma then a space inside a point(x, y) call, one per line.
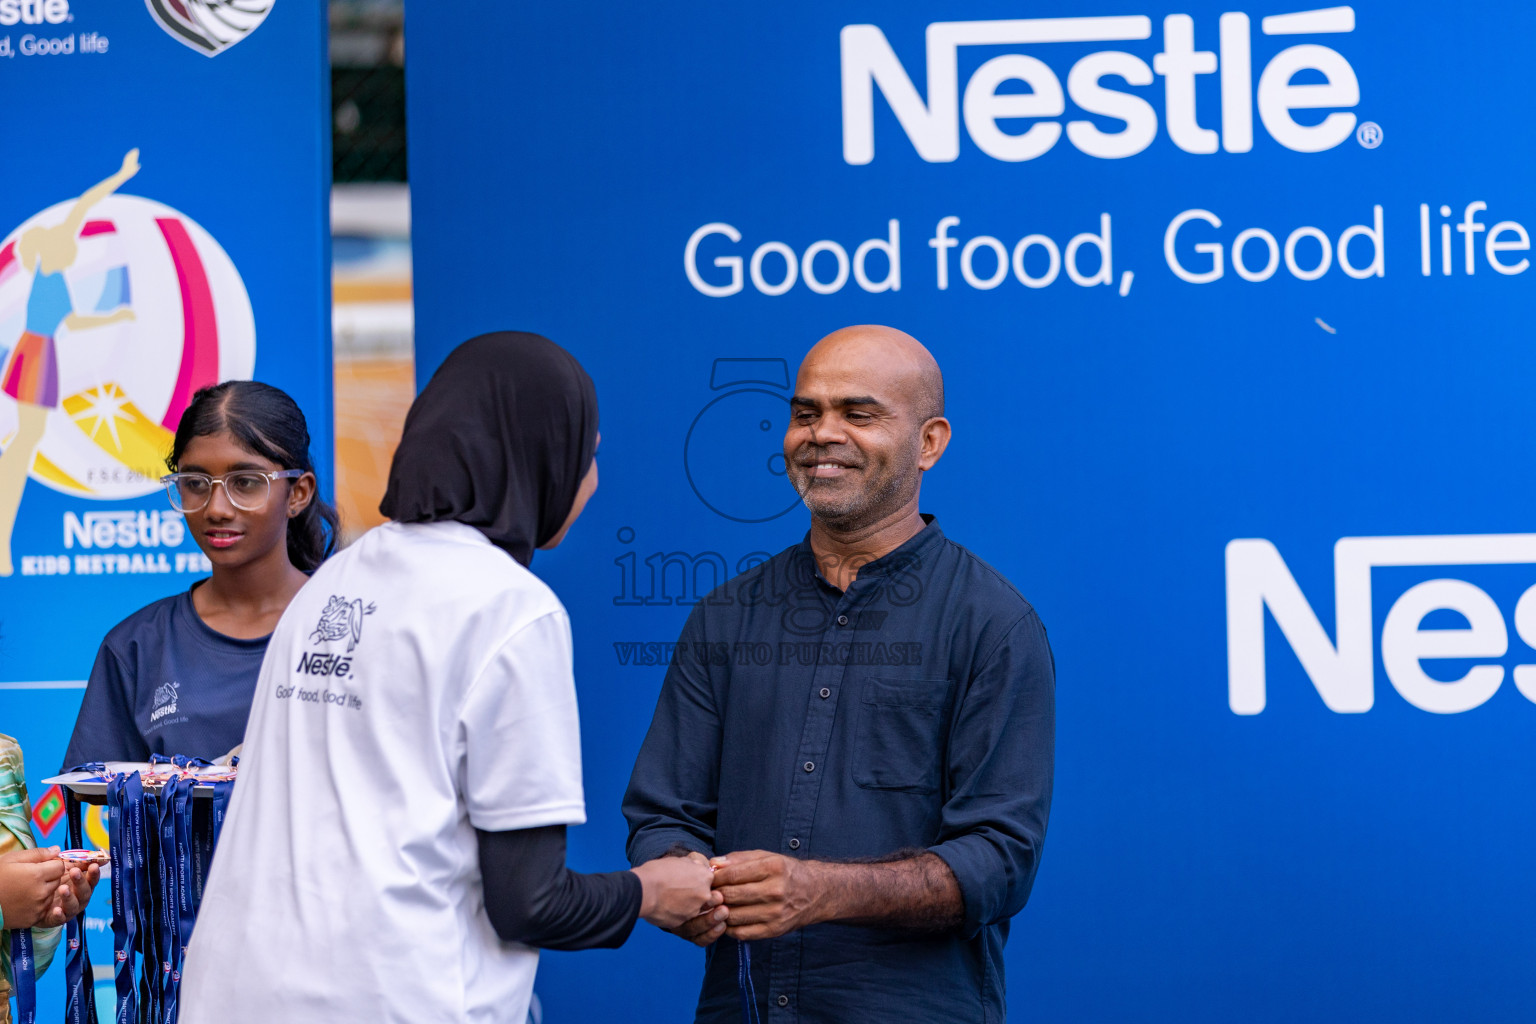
point(935, 439)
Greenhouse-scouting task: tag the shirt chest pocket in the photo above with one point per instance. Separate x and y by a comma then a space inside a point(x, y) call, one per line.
point(899, 743)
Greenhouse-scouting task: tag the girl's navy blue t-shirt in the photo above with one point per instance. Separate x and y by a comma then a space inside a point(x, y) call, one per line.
point(165, 683)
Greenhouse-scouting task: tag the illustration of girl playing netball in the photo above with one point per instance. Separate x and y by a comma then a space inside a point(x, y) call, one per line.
point(31, 376)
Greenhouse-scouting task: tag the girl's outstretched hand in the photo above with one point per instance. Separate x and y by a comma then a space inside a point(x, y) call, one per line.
point(33, 888)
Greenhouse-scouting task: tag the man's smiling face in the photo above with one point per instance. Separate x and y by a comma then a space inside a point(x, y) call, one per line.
point(855, 431)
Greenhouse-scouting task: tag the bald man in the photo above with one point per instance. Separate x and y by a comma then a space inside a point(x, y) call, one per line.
point(859, 732)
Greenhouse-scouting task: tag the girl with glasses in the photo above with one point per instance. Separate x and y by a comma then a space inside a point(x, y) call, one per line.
point(176, 677)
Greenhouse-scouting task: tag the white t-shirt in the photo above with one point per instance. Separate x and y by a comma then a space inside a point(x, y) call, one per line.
point(417, 688)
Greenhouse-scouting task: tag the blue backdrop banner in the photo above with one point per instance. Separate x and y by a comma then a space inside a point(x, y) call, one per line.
point(163, 226)
point(1230, 307)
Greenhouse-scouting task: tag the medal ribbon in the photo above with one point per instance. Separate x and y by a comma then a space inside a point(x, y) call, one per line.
point(143, 809)
point(24, 971)
point(221, 793)
point(79, 978)
point(125, 898)
point(168, 926)
point(186, 875)
point(744, 983)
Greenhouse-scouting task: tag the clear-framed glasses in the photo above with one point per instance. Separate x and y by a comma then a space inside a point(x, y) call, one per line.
point(247, 489)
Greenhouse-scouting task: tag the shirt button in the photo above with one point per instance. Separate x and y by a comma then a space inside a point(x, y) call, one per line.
point(794, 844)
point(842, 620)
point(783, 1000)
point(825, 693)
point(810, 766)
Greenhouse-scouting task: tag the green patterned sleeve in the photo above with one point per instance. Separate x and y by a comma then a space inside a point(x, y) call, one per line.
point(16, 834)
point(15, 810)
point(44, 942)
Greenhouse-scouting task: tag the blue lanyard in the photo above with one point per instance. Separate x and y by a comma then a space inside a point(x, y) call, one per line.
point(744, 983)
point(176, 855)
point(206, 821)
point(202, 852)
point(152, 978)
point(24, 970)
point(125, 898)
point(187, 885)
point(142, 810)
point(221, 793)
point(79, 978)
point(167, 923)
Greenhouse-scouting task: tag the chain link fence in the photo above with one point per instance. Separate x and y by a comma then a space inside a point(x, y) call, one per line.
point(367, 91)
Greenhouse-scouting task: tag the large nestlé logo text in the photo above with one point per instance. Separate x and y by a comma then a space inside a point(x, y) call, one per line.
point(1010, 105)
point(1342, 670)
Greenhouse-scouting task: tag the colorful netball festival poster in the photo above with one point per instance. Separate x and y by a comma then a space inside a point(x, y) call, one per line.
point(166, 231)
point(114, 310)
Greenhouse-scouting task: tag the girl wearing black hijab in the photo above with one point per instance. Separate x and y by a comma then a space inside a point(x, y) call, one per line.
point(503, 438)
point(413, 757)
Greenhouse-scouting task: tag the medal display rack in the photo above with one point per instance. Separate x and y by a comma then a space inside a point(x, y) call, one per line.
point(161, 844)
point(91, 786)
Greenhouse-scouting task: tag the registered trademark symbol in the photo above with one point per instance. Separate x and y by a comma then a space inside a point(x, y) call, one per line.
point(1368, 134)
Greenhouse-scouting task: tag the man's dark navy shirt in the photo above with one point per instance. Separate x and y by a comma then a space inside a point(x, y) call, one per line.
point(164, 682)
point(915, 711)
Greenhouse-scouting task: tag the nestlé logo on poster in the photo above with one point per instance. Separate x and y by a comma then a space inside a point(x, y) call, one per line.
point(988, 103)
point(124, 529)
point(34, 12)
